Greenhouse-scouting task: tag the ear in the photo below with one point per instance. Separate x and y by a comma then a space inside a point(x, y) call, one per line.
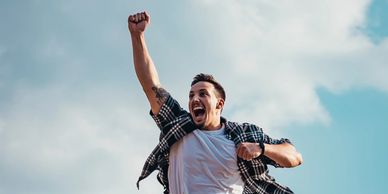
point(220, 103)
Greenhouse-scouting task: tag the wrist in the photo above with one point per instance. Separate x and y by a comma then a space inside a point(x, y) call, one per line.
point(262, 147)
point(136, 33)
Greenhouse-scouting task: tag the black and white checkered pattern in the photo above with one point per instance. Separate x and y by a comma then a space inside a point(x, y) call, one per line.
point(174, 123)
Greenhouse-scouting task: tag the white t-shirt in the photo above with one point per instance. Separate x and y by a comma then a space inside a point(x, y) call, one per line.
point(204, 162)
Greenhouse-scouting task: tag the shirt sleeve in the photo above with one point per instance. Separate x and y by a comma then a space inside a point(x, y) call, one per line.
point(169, 111)
point(252, 133)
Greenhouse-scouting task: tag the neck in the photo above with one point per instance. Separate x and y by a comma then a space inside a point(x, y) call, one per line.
point(212, 127)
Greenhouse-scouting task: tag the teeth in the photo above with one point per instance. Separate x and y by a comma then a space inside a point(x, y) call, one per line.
point(197, 108)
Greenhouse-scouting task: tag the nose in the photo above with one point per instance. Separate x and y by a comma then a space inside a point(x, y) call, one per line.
point(195, 98)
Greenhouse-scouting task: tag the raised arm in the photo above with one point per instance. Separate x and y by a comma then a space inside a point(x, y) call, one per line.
point(144, 66)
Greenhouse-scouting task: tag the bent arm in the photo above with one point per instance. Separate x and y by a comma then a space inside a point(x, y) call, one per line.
point(144, 66)
point(284, 154)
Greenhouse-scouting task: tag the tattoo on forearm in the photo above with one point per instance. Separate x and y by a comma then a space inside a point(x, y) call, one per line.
point(161, 94)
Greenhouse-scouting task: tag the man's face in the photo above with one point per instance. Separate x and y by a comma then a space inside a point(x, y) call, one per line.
point(204, 105)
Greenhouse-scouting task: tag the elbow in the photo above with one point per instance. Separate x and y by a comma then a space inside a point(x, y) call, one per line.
point(298, 160)
point(293, 160)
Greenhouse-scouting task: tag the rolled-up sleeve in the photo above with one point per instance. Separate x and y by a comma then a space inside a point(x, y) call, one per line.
point(169, 111)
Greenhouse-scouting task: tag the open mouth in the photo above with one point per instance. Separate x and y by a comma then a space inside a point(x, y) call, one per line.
point(198, 111)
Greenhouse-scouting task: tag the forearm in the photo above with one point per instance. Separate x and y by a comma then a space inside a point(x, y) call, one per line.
point(284, 154)
point(145, 69)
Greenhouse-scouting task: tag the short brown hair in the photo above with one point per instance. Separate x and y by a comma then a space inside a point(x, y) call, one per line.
point(209, 78)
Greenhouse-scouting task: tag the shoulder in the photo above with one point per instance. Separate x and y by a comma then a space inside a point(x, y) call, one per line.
point(242, 127)
point(169, 111)
point(244, 132)
point(169, 106)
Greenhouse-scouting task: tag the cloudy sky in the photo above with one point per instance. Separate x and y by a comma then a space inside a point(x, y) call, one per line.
point(74, 120)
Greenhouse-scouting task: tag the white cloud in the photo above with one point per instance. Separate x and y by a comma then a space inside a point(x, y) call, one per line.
point(75, 132)
point(279, 53)
point(74, 141)
point(78, 135)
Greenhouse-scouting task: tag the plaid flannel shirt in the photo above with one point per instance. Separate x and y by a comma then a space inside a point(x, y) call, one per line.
point(174, 123)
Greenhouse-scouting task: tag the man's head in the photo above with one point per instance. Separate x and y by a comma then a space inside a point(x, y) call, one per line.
point(206, 101)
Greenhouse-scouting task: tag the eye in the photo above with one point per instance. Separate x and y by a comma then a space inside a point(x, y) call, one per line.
point(191, 96)
point(202, 94)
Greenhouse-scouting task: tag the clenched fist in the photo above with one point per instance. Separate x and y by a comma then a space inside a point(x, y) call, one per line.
point(248, 151)
point(137, 23)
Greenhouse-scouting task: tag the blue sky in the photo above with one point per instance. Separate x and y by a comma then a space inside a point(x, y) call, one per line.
point(73, 118)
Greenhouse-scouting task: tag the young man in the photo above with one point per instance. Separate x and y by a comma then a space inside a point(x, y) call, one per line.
point(199, 151)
